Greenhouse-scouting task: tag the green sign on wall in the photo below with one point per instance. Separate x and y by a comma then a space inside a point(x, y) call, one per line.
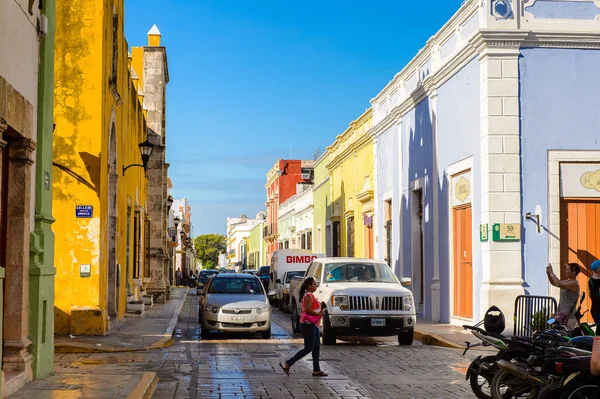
point(483, 232)
point(506, 232)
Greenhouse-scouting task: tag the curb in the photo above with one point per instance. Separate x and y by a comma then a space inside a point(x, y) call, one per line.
point(164, 342)
point(145, 386)
point(435, 340)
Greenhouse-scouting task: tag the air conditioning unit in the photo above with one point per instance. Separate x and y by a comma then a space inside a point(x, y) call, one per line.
point(305, 176)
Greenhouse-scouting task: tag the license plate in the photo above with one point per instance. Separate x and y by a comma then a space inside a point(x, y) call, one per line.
point(237, 319)
point(378, 322)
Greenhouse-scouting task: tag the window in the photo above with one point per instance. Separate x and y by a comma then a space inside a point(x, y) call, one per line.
point(350, 236)
point(236, 286)
point(309, 240)
point(318, 272)
point(336, 239)
point(303, 241)
point(359, 272)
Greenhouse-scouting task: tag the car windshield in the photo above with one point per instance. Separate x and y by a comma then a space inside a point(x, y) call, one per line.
point(264, 271)
point(204, 275)
point(290, 275)
point(237, 285)
point(358, 272)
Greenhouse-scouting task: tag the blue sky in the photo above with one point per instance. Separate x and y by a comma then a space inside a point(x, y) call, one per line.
point(250, 79)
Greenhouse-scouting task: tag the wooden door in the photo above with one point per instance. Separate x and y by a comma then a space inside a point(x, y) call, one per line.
point(579, 240)
point(369, 247)
point(463, 265)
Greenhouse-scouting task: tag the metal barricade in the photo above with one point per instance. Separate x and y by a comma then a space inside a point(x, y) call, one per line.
point(532, 313)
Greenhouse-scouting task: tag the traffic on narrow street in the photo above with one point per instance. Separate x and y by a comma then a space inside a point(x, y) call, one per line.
point(246, 366)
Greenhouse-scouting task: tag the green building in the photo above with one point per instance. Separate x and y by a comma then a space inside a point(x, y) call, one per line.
point(322, 233)
point(257, 247)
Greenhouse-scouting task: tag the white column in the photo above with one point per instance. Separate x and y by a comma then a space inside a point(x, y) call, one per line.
point(502, 279)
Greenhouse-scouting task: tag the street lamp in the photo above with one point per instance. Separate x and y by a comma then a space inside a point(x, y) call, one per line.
point(145, 150)
point(169, 201)
point(176, 221)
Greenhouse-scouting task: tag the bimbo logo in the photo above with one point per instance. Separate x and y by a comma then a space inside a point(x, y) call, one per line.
point(300, 259)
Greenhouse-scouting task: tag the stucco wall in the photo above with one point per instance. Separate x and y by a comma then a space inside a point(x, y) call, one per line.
point(321, 204)
point(387, 165)
point(458, 116)
point(560, 100)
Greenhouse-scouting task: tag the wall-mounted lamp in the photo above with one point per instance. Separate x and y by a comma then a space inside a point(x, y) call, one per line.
point(146, 150)
point(176, 221)
point(535, 218)
point(169, 201)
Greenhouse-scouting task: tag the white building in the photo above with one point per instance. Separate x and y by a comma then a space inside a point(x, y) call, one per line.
point(238, 231)
point(295, 218)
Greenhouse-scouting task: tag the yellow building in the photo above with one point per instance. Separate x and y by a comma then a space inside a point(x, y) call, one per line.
point(100, 209)
point(350, 166)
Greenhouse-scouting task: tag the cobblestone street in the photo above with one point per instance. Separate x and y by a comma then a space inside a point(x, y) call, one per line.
point(230, 366)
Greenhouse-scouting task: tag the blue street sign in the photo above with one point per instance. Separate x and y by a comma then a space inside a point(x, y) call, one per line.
point(84, 211)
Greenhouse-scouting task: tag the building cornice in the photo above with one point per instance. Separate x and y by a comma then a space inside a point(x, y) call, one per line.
point(354, 147)
point(321, 183)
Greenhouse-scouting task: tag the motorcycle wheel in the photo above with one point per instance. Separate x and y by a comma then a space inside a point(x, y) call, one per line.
point(481, 383)
point(581, 388)
point(505, 385)
point(552, 390)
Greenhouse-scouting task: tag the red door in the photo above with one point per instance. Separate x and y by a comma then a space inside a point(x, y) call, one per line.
point(579, 239)
point(463, 269)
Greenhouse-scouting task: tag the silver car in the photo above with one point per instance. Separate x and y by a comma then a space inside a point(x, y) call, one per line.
point(234, 302)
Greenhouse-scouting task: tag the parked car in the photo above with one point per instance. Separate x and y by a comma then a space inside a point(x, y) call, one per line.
point(203, 277)
point(284, 264)
point(234, 302)
point(361, 297)
point(263, 275)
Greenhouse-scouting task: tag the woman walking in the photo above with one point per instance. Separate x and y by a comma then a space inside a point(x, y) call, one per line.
point(569, 293)
point(310, 319)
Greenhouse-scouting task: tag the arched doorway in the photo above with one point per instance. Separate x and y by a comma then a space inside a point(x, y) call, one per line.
point(113, 176)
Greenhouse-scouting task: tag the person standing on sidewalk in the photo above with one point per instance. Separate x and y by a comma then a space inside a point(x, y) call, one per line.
point(569, 293)
point(310, 319)
point(178, 278)
point(594, 284)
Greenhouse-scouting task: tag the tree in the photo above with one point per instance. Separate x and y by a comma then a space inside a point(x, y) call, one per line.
point(208, 247)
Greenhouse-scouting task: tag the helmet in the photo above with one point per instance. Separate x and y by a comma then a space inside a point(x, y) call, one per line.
point(493, 320)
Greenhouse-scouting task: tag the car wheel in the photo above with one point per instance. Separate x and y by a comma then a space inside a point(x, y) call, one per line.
point(329, 335)
point(295, 319)
point(282, 304)
point(204, 332)
point(266, 334)
point(406, 337)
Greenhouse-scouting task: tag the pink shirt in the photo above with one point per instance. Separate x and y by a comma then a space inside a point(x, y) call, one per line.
point(305, 317)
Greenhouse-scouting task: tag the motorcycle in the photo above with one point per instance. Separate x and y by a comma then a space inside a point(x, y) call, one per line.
point(527, 377)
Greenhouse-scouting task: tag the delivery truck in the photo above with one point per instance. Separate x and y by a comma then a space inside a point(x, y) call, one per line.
point(285, 264)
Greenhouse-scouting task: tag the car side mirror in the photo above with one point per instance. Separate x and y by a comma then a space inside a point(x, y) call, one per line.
point(278, 281)
point(406, 282)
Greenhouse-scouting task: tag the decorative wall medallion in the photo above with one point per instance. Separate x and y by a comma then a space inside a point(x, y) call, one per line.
point(462, 189)
point(591, 180)
point(501, 9)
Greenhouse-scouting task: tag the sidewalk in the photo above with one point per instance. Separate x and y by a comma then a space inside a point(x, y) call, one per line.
point(154, 331)
point(446, 335)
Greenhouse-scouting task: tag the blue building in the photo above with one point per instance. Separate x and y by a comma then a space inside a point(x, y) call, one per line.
point(487, 157)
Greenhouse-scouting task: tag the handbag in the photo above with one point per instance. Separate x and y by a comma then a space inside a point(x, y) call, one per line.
point(308, 317)
point(595, 361)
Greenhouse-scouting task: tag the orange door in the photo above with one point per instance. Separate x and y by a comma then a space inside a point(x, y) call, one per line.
point(369, 252)
point(463, 269)
point(579, 242)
